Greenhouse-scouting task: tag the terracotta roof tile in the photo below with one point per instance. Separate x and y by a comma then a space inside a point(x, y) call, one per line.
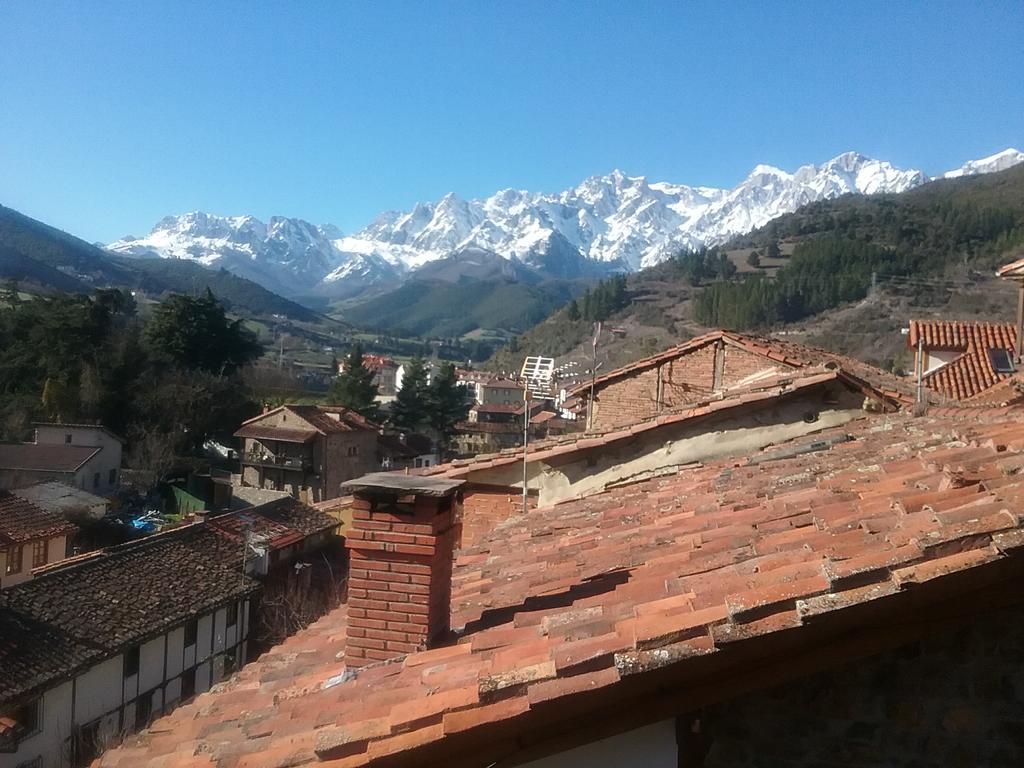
point(972, 373)
point(566, 602)
point(21, 521)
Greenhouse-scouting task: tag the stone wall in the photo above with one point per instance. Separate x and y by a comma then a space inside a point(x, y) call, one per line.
point(689, 378)
point(954, 701)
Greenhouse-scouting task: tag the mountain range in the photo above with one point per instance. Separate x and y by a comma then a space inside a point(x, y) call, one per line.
point(606, 224)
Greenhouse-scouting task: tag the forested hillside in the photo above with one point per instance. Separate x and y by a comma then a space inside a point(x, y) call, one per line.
point(930, 251)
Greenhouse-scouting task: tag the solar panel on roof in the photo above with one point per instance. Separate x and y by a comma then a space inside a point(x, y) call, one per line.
point(1001, 360)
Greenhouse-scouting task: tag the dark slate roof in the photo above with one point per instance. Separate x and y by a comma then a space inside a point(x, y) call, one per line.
point(21, 520)
point(32, 654)
point(45, 458)
point(119, 598)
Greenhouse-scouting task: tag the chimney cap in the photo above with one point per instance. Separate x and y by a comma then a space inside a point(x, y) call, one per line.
point(390, 483)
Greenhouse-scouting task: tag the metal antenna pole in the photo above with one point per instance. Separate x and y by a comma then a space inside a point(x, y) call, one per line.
point(526, 440)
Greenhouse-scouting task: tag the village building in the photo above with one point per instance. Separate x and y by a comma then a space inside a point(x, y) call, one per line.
point(499, 391)
point(962, 361)
point(95, 647)
point(106, 464)
point(127, 633)
point(31, 537)
point(702, 368)
point(307, 451)
point(847, 597)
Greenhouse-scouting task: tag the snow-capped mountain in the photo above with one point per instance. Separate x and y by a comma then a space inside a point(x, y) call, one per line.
point(612, 222)
point(997, 162)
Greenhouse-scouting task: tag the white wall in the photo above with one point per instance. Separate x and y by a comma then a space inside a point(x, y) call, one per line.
point(108, 459)
point(653, 746)
point(103, 692)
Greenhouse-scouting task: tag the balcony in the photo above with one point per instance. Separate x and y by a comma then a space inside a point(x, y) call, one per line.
point(269, 460)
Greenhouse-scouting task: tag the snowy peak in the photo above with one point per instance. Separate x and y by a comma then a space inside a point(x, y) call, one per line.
point(991, 164)
point(610, 222)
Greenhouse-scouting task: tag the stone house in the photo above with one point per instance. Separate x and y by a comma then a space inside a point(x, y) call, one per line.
point(704, 367)
point(849, 598)
point(31, 537)
point(307, 450)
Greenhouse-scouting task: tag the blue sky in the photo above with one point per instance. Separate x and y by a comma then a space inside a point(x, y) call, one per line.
point(113, 115)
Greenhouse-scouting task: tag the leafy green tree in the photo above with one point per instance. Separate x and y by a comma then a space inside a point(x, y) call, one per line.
point(573, 311)
point(411, 407)
point(354, 387)
point(195, 334)
point(771, 250)
point(754, 259)
point(449, 404)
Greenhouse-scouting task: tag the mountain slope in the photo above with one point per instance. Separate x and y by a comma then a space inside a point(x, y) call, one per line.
point(44, 256)
point(932, 250)
point(612, 222)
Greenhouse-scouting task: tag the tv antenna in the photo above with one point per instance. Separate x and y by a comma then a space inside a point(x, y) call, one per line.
point(537, 374)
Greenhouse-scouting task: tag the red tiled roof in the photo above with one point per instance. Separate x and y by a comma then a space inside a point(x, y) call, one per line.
point(21, 520)
point(594, 604)
point(280, 523)
point(971, 373)
point(45, 458)
point(319, 417)
point(777, 350)
point(497, 408)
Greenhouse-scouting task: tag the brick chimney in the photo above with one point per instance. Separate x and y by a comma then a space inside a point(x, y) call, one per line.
point(401, 544)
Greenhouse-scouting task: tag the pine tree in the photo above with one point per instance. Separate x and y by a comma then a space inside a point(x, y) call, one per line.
point(573, 312)
point(411, 408)
point(449, 404)
point(354, 387)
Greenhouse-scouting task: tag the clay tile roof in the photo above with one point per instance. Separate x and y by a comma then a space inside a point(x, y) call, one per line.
point(972, 372)
point(45, 458)
point(588, 607)
point(21, 521)
point(282, 522)
point(322, 419)
point(776, 349)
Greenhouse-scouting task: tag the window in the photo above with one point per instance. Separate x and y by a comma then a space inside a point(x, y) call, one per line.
point(67, 439)
point(419, 463)
point(232, 615)
point(1001, 360)
point(143, 710)
point(353, 450)
point(112, 477)
point(96, 480)
point(131, 661)
point(230, 663)
point(39, 552)
point(191, 632)
point(13, 560)
point(188, 684)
